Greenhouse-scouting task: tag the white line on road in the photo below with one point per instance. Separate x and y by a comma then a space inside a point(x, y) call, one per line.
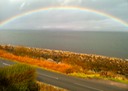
point(88, 87)
point(6, 64)
point(48, 76)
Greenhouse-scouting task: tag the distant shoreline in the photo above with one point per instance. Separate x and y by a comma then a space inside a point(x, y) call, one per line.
point(62, 51)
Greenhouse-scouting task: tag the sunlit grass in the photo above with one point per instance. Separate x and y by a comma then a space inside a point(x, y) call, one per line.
point(98, 76)
point(83, 75)
point(64, 68)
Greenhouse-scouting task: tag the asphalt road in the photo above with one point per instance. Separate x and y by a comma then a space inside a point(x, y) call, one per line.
point(72, 83)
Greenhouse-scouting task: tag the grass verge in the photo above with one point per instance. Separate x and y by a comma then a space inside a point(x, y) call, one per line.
point(48, 87)
point(120, 78)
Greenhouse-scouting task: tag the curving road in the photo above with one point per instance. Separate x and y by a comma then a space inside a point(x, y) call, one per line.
point(72, 83)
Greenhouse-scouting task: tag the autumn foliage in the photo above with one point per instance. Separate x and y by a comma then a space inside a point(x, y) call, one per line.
point(65, 68)
point(66, 62)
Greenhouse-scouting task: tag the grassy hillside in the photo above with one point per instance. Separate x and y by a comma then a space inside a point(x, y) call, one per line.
point(82, 65)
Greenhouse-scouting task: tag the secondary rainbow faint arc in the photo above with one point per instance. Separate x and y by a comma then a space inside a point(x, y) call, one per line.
point(62, 8)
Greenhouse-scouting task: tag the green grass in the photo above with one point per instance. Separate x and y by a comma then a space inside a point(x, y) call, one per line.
point(83, 75)
point(120, 79)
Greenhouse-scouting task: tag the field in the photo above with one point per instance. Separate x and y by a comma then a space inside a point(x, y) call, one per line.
point(75, 64)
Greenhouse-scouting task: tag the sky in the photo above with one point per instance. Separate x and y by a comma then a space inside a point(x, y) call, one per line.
point(65, 19)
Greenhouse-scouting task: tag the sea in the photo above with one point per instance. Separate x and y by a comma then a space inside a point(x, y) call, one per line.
point(111, 44)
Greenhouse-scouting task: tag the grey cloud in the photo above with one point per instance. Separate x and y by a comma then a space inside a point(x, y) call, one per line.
point(118, 8)
point(65, 19)
point(69, 2)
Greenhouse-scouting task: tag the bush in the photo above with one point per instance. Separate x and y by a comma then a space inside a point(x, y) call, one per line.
point(19, 77)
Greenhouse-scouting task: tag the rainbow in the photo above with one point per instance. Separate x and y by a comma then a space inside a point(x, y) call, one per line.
point(63, 8)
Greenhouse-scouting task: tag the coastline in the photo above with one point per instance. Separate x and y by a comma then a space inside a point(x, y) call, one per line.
point(70, 63)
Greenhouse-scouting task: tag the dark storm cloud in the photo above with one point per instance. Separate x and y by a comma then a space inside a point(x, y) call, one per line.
point(65, 19)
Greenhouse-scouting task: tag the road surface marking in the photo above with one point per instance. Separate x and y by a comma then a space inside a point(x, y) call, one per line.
point(6, 64)
point(88, 87)
point(48, 76)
